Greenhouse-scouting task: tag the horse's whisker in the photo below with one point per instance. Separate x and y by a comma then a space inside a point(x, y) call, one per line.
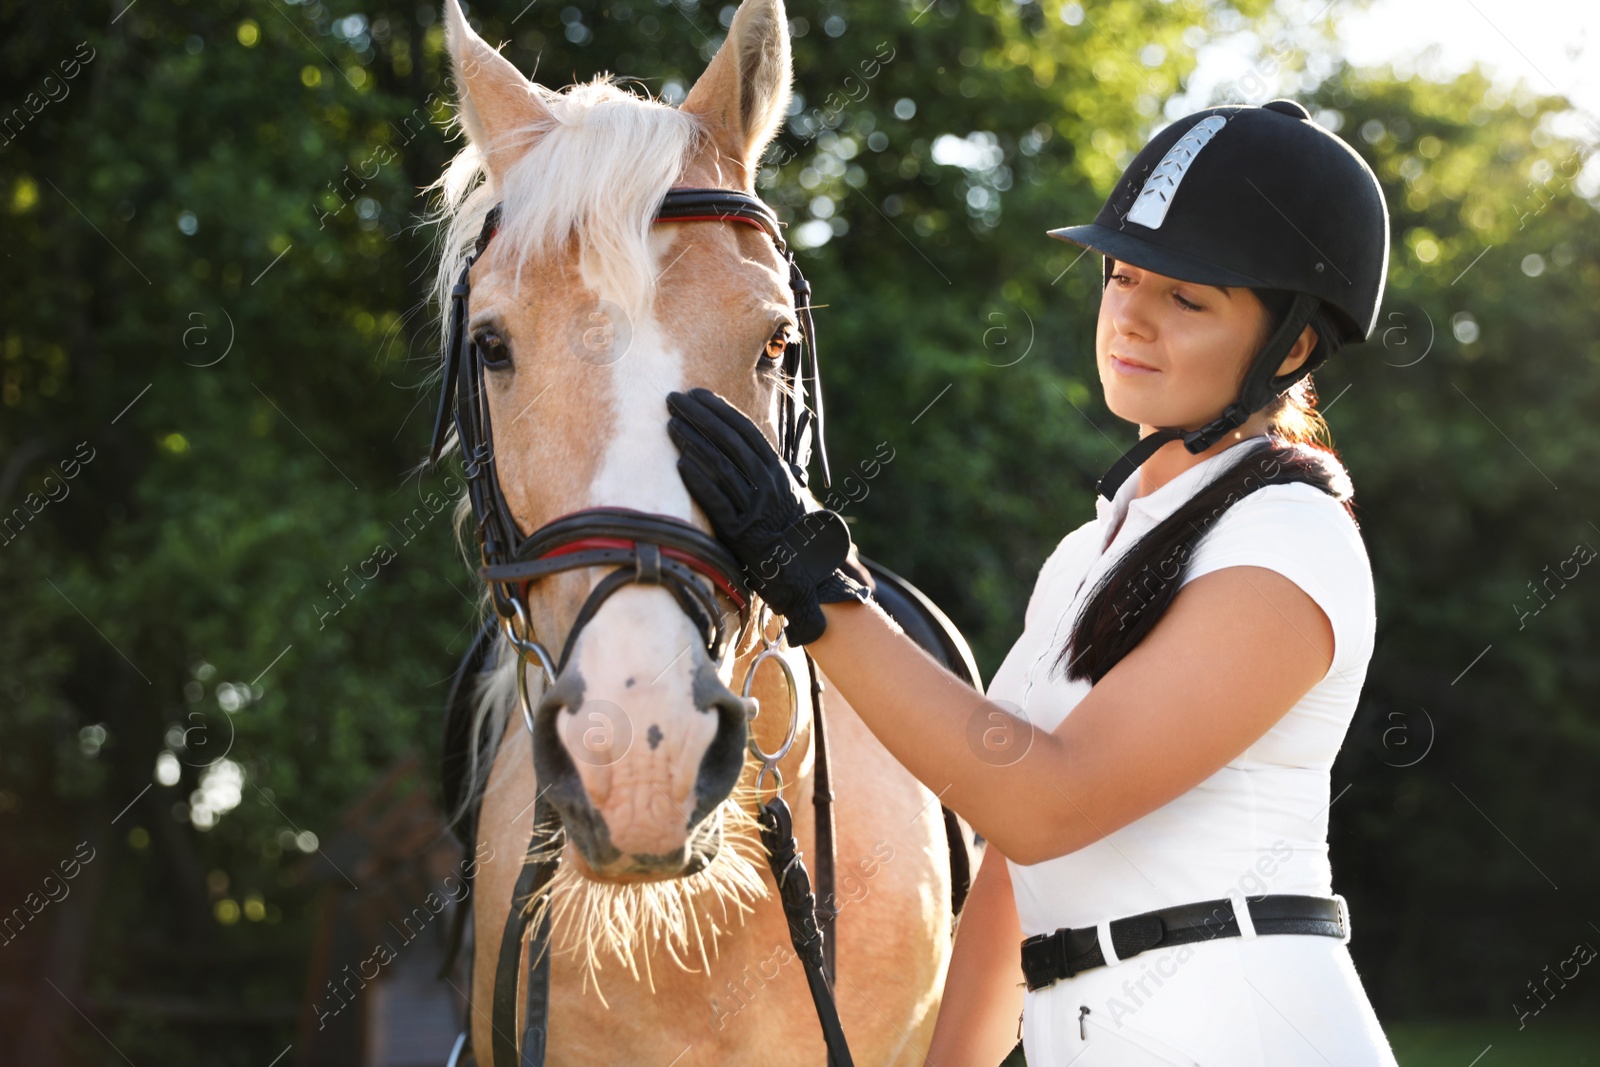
point(591, 921)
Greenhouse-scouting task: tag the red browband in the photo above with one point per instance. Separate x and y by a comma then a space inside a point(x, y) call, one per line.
point(584, 543)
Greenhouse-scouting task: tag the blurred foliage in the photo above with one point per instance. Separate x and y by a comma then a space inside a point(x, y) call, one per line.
point(214, 285)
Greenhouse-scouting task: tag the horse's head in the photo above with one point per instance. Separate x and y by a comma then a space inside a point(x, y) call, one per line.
point(588, 312)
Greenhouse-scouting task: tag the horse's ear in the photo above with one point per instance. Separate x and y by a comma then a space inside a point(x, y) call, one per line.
point(497, 105)
point(743, 95)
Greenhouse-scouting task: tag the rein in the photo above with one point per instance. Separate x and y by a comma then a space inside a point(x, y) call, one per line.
point(648, 549)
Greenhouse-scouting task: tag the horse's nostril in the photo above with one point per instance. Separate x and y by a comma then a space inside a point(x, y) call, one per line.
point(724, 759)
point(729, 704)
point(732, 710)
point(567, 692)
point(551, 763)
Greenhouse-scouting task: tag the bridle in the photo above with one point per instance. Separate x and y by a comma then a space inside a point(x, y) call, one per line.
point(648, 549)
point(604, 536)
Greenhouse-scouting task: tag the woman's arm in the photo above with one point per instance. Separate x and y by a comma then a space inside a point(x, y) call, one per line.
point(1235, 650)
point(983, 993)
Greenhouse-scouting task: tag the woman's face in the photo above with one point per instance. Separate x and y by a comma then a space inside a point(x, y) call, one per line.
point(1173, 353)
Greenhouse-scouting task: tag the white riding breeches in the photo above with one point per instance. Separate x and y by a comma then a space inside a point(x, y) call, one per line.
point(1278, 1000)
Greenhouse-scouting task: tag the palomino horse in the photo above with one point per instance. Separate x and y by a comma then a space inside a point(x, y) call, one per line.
point(668, 941)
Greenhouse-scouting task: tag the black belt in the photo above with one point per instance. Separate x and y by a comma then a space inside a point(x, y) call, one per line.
point(1047, 958)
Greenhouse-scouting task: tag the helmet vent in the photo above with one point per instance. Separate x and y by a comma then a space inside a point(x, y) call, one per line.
point(1150, 209)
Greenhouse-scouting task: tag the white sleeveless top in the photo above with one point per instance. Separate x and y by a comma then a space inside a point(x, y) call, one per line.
point(1260, 824)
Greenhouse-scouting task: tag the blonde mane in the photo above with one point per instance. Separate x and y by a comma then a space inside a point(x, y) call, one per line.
point(596, 168)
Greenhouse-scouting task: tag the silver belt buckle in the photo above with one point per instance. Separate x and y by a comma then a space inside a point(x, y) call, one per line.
point(1344, 919)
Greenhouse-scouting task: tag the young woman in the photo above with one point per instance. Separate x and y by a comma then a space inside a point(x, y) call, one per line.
point(1151, 767)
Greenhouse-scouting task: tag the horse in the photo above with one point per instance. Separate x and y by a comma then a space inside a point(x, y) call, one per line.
point(668, 942)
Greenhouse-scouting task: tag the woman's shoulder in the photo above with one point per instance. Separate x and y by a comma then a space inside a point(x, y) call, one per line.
point(1310, 537)
point(1295, 519)
point(1300, 510)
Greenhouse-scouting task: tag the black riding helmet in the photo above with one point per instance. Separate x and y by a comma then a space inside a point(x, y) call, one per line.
point(1260, 197)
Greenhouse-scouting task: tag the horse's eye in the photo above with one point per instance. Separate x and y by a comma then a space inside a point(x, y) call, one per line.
point(492, 349)
point(778, 343)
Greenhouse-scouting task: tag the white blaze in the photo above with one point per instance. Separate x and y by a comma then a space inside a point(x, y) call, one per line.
point(640, 466)
point(639, 654)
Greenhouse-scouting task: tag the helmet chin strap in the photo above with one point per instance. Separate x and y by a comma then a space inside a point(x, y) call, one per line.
point(1260, 386)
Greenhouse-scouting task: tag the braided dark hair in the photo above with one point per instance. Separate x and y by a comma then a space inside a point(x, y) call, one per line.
point(1131, 597)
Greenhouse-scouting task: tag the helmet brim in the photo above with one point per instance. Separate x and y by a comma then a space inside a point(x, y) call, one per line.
point(1128, 248)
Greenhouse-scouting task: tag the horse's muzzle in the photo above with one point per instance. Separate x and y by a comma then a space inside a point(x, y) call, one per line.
point(561, 779)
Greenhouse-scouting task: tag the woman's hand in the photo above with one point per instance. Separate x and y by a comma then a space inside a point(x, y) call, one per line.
point(795, 558)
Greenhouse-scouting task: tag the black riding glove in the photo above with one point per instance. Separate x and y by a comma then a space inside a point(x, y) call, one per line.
point(795, 559)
